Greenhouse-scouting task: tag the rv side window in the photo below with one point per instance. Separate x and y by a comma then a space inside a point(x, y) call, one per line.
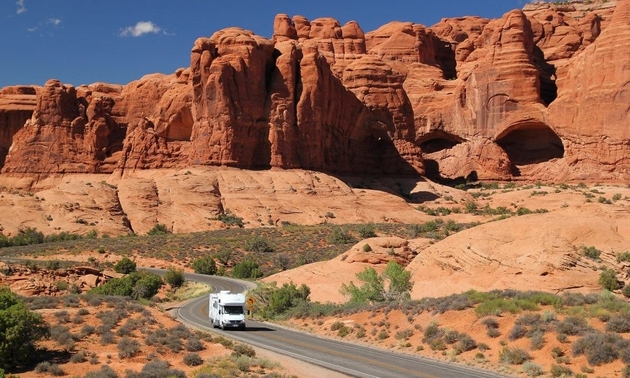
point(234, 310)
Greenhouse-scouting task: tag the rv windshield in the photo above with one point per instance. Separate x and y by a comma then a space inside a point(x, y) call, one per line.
point(234, 310)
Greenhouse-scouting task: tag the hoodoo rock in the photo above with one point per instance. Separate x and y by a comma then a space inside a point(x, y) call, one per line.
point(538, 94)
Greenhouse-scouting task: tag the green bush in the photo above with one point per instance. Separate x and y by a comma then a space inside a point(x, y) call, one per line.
point(174, 277)
point(230, 219)
point(136, 285)
point(159, 229)
point(125, 266)
point(287, 296)
point(367, 231)
point(248, 268)
point(205, 265)
point(258, 244)
point(591, 252)
point(27, 237)
point(608, 280)
point(20, 329)
point(339, 236)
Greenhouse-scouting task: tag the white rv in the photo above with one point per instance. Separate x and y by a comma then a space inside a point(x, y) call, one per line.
point(227, 310)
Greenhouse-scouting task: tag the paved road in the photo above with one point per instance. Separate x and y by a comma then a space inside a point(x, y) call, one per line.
point(354, 360)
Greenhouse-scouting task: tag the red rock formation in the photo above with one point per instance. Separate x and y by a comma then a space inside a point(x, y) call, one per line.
point(592, 112)
point(492, 99)
point(16, 106)
point(65, 134)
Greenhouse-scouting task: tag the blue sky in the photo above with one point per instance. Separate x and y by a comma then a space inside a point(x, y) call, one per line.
point(117, 41)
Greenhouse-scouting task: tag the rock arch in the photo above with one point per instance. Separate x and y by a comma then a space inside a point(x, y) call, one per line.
point(530, 142)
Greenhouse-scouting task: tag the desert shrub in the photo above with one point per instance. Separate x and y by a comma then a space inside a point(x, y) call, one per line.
point(78, 358)
point(451, 337)
point(20, 329)
point(192, 359)
point(125, 266)
point(279, 300)
point(465, 343)
point(107, 338)
point(560, 371)
point(157, 369)
point(367, 230)
point(248, 268)
point(432, 332)
point(159, 229)
point(557, 352)
point(243, 350)
point(258, 244)
point(27, 237)
point(513, 356)
point(339, 236)
point(625, 372)
point(174, 277)
point(243, 363)
point(517, 332)
point(47, 367)
point(394, 284)
point(404, 334)
point(86, 330)
point(62, 335)
point(626, 291)
point(623, 256)
point(591, 252)
point(136, 285)
point(572, 326)
point(105, 372)
point(619, 323)
point(529, 319)
point(194, 345)
point(62, 316)
point(490, 323)
point(230, 219)
point(205, 265)
point(366, 248)
point(532, 369)
point(599, 348)
point(128, 347)
point(537, 340)
point(493, 332)
point(608, 280)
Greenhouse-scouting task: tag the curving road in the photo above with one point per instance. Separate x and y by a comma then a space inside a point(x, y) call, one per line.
point(351, 359)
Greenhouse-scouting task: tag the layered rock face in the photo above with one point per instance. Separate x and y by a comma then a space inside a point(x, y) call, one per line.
point(516, 97)
point(16, 106)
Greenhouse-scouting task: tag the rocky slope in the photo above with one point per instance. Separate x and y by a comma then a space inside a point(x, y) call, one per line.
point(513, 98)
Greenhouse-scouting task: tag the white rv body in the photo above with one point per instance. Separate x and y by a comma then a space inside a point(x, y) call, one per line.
point(227, 310)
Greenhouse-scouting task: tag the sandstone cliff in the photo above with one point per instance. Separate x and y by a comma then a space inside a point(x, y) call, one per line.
point(518, 97)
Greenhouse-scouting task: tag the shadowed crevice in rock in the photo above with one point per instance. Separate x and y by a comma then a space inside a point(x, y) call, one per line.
point(437, 141)
point(445, 58)
point(548, 87)
point(530, 142)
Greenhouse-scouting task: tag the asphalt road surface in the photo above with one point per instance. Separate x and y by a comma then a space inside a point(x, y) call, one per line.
point(351, 359)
